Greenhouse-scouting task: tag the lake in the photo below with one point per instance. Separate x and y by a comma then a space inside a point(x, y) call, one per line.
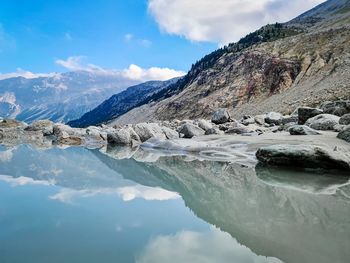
point(82, 205)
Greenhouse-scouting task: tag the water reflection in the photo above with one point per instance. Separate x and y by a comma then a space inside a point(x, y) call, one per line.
point(262, 215)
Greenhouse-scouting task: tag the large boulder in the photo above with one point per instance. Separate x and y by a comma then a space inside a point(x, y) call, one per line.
point(339, 108)
point(345, 134)
point(305, 113)
point(220, 116)
point(323, 122)
point(124, 137)
point(306, 156)
point(190, 130)
point(302, 130)
point(149, 130)
point(345, 119)
point(273, 118)
point(45, 126)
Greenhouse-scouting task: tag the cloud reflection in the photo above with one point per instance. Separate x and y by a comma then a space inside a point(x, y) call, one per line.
point(195, 247)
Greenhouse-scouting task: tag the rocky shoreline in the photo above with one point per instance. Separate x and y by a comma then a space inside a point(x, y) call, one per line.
point(308, 138)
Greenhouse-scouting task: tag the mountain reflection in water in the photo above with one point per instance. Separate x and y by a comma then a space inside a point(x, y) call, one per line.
point(251, 215)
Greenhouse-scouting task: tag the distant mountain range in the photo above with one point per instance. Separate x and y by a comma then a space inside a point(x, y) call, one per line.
point(276, 68)
point(121, 103)
point(61, 98)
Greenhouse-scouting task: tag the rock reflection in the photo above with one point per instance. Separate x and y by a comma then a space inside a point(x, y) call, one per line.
point(290, 223)
point(294, 217)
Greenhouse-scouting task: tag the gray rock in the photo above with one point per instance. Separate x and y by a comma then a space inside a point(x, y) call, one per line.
point(345, 119)
point(339, 108)
point(238, 130)
point(247, 120)
point(46, 126)
point(149, 130)
point(170, 133)
point(345, 134)
point(339, 127)
point(220, 116)
point(213, 131)
point(124, 136)
point(289, 119)
point(229, 125)
point(306, 156)
point(10, 123)
point(204, 124)
point(305, 113)
point(323, 122)
point(260, 119)
point(190, 130)
point(302, 130)
point(274, 118)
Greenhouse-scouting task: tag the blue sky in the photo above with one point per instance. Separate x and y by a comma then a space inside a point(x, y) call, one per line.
point(113, 34)
point(46, 30)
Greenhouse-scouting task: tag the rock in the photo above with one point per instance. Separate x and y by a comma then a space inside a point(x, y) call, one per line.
point(305, 113)
point(170, 133)
point(220, 116)
point(238, 130)
point(260, 119)
point(306, 156)
point(190, 130)
point(323, 122)
point(70, 140)
point(339, 108)
point(289, 119)
point(273, 118)
point(213, 131)
point(10, 123)
point(247, 120)
point(46, 126)
point(287, 126)
point(149, 130)
point(339, 127)
point(345, 134)
point(302, 130)
point(124, 136)
point(204, 124)
point(345, 119)
point(229, 125)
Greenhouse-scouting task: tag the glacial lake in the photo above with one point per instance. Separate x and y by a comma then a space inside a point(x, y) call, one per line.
point(81, 205)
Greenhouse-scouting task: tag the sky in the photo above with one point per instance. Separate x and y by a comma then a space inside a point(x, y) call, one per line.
point(149, 38)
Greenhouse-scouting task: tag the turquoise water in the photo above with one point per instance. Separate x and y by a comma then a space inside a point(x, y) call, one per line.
point(80, 205)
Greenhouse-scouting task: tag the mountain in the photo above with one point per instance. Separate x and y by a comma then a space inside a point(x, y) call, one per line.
point(61, 97)
point(278, 67)
point(121, 103)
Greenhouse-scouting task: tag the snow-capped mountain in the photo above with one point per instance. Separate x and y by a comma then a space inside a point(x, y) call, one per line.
point(61, 97)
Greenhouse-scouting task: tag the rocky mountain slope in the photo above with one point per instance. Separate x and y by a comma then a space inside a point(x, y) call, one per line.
point(121, 103)
point(61, 97)
point(279, 67)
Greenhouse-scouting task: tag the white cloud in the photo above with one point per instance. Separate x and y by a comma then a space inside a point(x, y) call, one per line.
point(223, 21)
point(145, 42)
point(20, 181)
point(127, 193)
point(71, 63)
point(195, 247)
point(25, 74)
point(128, 37)
point(134, 72)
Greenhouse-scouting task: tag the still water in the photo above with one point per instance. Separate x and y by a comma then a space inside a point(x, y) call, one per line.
point(79, 205)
